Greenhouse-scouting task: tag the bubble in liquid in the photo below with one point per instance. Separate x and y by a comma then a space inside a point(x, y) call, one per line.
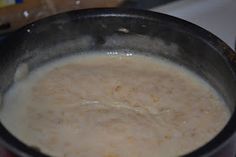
point(26, 14)
point(77, 2)
point(21, 72)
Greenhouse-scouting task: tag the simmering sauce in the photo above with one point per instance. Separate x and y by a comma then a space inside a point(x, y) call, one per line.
point(113, 106)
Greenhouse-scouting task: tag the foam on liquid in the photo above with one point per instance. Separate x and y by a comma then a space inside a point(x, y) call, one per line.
point(113, 106)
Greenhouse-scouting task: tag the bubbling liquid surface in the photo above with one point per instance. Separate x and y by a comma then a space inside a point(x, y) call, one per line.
point(113, 106)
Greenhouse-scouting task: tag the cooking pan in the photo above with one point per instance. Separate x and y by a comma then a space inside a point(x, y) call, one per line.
point(127, 31)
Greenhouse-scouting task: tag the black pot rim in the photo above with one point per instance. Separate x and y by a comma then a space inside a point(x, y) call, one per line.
point(14, 145)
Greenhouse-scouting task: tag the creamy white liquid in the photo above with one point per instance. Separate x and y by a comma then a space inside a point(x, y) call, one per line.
point(113, 106)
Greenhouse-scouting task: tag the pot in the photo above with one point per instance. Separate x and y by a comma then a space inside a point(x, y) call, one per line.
point(129, 31)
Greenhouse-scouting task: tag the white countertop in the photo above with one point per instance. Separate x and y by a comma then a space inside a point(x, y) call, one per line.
point(217, 16)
